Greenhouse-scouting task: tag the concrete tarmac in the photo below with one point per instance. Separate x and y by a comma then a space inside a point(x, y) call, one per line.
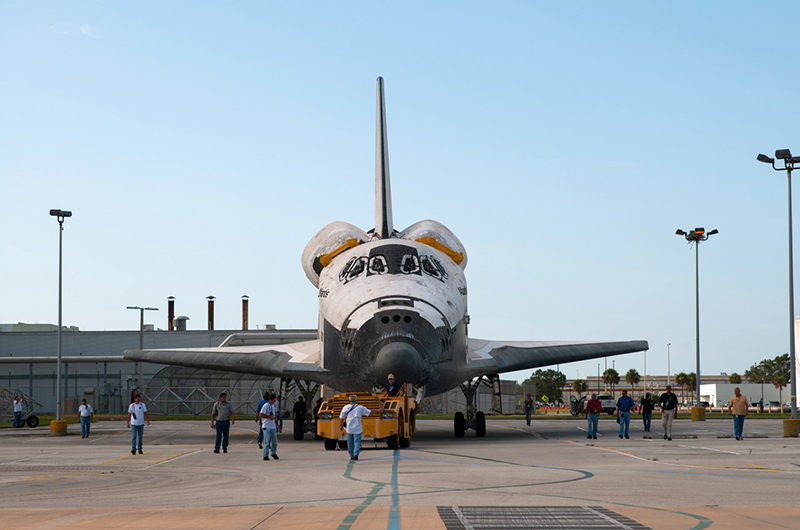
point(544, 476)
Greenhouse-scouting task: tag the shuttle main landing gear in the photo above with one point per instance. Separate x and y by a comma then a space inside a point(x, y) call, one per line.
point(308, 389)
point(475, 419)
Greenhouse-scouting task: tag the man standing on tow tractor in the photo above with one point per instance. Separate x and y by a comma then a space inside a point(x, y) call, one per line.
point(393, 389)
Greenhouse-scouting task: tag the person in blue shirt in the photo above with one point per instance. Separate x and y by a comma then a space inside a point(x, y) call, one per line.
point(625, 406)
point(258, 420)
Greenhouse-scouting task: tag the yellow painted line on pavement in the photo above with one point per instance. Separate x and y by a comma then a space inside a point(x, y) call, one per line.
point(114, 460)
point(170, 457)
point(763, 467)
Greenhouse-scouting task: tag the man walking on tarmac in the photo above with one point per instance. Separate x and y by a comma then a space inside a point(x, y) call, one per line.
point(351, 414)
point(137, 418)
point(223, 413)
point(86, 412)
point(18, 411)
point(269, 417)
point(669, 403)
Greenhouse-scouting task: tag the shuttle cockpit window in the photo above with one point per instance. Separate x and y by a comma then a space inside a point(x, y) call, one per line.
point(409, 264)
point(353, 269)
point(393, 259)
point(377, 265)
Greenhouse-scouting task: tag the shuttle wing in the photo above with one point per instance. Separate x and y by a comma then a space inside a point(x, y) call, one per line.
point(492, 357)
point(297, 360)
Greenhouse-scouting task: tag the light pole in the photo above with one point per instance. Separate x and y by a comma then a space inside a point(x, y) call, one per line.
point(60, 215)
point(789, 162)
point(669, 377)
point(141, 333)
point(696, 236)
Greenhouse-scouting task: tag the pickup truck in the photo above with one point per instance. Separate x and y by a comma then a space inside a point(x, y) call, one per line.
point(608, 402)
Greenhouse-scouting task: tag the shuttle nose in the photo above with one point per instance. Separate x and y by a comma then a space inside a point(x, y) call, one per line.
point(401, 359)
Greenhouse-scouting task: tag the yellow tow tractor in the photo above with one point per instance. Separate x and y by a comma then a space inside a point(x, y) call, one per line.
point(394, 426)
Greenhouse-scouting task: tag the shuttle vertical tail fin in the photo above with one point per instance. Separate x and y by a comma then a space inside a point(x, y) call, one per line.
point(383, 190)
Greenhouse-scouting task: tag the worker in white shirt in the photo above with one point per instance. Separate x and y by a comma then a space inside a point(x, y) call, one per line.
point(87, 416)
point(18, 410)
point(137, 417)
point(351, 415)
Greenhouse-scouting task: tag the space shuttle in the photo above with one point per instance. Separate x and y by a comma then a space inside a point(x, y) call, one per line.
point(390, 302)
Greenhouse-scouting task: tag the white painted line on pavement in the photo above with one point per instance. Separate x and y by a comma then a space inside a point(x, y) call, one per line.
point(31, 458)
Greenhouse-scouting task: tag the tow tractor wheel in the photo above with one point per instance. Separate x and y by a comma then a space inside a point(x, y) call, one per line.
point(342, 444)
point(392, 442)
point(298, 429)
point(33, 421)
point(330, 445)
point(480, 424)
point(404, 442)
point(458, 423)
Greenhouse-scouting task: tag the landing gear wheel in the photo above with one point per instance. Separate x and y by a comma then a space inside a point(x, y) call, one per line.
point(392, 442)
point(458, 424)
point(480, 424)
point(343, 444)
point(33, 421)
point(298, 429)
point(330, 445)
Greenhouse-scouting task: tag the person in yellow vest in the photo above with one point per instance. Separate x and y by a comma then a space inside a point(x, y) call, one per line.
point(737, 407)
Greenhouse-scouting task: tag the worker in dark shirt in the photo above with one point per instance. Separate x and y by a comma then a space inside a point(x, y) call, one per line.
point(393, 389)
point(647, 411)
point(669, 407)
point(299, 410)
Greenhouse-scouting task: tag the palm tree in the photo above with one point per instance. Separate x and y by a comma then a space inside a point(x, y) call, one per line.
point(580, 386)
point(611, 377)
point(680, 380)
point(779, 383)
point(691, 384)
point(632, 378)
point(735, 379)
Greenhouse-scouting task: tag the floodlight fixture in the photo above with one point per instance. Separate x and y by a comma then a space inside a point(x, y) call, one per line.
point(680, 232)
point(765, 159)
point(715, 231)
point(783, 154)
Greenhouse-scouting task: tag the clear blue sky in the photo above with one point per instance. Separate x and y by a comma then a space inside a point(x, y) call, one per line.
point(201, 145)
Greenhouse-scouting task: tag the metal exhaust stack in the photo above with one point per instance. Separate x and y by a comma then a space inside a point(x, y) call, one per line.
point(245, 312)
point(170, 313)
point(210, 312)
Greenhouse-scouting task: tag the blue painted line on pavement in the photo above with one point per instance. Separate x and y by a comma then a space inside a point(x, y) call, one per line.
point(394, 511)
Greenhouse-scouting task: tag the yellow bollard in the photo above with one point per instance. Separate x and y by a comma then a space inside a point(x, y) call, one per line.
point(791, 428)
point(698, 414)
point(58, 427)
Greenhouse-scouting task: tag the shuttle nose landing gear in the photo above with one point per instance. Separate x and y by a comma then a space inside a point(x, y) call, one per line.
point(475, 419)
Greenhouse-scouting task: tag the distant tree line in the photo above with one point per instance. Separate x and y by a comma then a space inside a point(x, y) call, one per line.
point(775, 372)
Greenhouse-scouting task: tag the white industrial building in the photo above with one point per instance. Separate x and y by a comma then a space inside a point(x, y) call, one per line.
point(719, 394)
